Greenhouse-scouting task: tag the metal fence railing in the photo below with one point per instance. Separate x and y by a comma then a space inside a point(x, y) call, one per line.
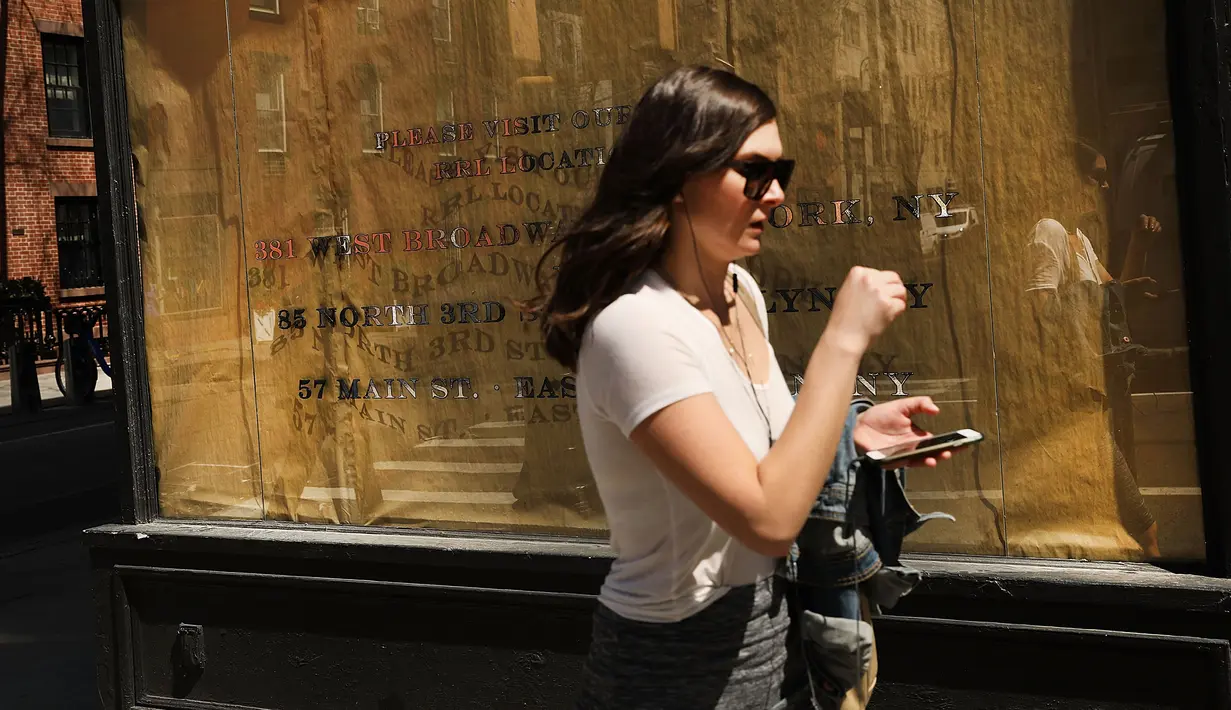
point(47, 328)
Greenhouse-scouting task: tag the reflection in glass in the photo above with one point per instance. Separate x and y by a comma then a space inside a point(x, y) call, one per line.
point(403, 165)
point(197, 330)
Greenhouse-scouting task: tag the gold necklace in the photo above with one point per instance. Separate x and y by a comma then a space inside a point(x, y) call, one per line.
point(744, 357)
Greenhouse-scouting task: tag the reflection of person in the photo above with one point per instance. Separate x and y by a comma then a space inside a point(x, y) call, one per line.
point(1068, 281)
point(705, 477)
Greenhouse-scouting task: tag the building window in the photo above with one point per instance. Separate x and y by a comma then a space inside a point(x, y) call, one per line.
point(190, 211)
point(445, 114)
point(852, 28)
point(269, 7)
point(369, 16)
point(371, 106)
point(565, 56)
point(271, 112)
point(68, 110)
point(81, 259)
point(442, 21)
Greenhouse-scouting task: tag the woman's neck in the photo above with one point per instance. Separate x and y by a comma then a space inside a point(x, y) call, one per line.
point(700, 280)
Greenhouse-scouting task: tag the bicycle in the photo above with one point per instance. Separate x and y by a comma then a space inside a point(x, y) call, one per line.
point(80, 326)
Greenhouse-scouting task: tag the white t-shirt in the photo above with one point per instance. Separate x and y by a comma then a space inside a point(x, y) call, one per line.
point(1075, 277)
point(649, 349)
point(1052, 259)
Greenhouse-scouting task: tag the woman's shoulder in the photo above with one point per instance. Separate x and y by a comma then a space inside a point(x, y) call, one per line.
point(644, 309)
point(745, 277)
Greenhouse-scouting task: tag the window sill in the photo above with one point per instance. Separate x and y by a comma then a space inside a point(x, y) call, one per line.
point(55, 143)
point(456, 559)
point(1036, 580)
point(973, 578)
point(87, 292)
point(256, 13)
point(262, 538)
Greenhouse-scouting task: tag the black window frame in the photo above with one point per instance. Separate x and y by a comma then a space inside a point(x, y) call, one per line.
point(78, 247)
point(1199, 73)
point(57, 64)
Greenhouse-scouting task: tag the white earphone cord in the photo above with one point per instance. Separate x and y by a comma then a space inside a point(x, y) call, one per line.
point(769, 433)
point(763, 410)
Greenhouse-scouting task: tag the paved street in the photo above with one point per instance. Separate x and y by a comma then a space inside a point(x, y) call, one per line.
point(59, 471)
point(46, 625)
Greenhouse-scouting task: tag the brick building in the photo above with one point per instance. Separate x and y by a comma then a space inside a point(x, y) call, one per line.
point(49, 212)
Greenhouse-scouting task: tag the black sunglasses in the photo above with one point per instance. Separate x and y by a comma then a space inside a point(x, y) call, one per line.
point(760, 174)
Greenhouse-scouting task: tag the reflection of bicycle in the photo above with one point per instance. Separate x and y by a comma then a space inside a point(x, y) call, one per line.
point(79, 325)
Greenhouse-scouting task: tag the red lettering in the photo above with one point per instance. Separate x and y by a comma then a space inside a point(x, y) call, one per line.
point(436, 239)
point(383, 243)
point(416, 136)
point(413, 240)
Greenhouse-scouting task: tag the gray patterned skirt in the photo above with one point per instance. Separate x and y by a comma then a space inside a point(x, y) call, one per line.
point(733, 655)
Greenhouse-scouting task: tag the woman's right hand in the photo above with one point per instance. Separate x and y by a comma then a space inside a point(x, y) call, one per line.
point(866, 304)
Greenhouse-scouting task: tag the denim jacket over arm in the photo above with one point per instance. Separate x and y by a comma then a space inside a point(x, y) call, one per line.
point(850, 542)
point(857, 523)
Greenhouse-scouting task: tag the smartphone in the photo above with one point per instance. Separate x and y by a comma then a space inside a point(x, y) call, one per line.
point(893, 455)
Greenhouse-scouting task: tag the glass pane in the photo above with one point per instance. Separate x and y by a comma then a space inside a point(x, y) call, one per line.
point(80, 259)
point(197, 327)
point(66, 106)
point(999, 155)
point(863, 93)
point(1077, 144)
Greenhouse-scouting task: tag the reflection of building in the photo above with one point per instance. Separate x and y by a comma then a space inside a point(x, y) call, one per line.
point(257, 127)
point(885, 105)
point(50, 214)
point(308, 165)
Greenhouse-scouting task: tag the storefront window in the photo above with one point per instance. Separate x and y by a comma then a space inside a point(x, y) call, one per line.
point(335, 340)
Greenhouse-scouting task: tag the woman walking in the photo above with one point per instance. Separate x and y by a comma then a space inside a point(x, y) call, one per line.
point(706, 467)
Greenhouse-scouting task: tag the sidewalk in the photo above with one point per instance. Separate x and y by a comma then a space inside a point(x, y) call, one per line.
point(47, 386)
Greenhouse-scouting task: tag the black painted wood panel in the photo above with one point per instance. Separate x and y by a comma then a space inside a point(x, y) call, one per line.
point(302, 644)
point(1078, 668)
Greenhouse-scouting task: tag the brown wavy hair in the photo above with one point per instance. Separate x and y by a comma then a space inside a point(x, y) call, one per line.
point(693, 120)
